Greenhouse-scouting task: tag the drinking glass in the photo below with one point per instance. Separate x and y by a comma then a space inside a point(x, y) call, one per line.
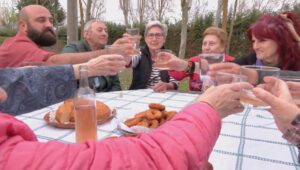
point(160, 62)
point(135, 38)
point(116, 49)
point(228, 78)
point(204, 61)
point(248, 99)
point(295, 95)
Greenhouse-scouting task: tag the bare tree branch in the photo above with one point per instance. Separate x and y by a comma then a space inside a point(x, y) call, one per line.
point(185, 7)
point(160, 8)
point(217, 19)
point(125, 6)
point(232, 24)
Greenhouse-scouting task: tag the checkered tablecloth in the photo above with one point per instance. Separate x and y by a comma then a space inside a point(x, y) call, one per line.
point(248, 140)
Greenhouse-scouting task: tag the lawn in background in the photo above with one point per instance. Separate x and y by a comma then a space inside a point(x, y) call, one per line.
point(126, 76)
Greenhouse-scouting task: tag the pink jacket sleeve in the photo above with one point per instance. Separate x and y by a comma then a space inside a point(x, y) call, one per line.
point(184, 142)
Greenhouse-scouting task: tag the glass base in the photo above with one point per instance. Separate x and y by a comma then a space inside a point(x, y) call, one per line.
point(251, 106)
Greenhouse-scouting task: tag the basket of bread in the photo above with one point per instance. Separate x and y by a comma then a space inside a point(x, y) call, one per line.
point(64, 116)
point(148, 119)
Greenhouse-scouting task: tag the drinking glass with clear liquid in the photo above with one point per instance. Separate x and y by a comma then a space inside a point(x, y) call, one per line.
point(161, 60)
point(135, 38)
point(248, 99)
point(85, 109)
point(293, 79)
point(116, 49)
point(204, 61)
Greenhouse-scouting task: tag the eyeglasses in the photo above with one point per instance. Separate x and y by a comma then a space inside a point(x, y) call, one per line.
point(156, 35)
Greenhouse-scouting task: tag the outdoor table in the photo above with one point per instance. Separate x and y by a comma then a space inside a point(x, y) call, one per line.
point(248, 140)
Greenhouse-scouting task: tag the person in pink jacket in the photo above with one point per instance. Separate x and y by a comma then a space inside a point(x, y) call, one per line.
point(185, 142)
point(214, 41)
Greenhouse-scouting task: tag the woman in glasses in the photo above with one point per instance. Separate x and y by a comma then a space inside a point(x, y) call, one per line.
point(144, 75)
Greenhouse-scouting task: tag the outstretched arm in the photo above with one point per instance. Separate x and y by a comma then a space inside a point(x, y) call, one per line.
point(33, 88)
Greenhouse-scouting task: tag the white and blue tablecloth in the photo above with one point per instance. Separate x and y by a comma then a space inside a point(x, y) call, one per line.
point(248, 140)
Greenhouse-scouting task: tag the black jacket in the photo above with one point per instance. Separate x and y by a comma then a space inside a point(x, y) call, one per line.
point(141, 73)
point(249, 59)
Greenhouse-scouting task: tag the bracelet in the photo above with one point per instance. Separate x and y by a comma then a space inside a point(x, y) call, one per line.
point(190, 68)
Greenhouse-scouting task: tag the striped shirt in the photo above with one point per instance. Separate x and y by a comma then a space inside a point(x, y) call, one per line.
point(155, 74)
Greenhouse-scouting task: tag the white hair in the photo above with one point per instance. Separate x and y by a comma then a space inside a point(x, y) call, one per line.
point(158, 24)
point(88, 25)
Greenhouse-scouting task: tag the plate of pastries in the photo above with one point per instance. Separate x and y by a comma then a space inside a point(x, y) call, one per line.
point(151, 118)
point(64, 115)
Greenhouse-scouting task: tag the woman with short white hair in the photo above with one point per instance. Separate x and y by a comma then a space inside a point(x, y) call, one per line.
point(144, 75)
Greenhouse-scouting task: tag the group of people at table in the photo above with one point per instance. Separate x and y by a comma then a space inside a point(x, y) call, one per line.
point(186, 141)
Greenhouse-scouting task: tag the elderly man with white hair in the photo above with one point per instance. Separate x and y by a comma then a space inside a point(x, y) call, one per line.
point(95, 36)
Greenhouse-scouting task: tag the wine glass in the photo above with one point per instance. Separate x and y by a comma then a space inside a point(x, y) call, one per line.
point(204, 61)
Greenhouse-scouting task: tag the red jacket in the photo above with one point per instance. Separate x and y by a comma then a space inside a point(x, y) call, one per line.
point(194, 83)
point(184, 142)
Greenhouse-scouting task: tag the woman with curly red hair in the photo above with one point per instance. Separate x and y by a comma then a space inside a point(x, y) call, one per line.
point(275, 41)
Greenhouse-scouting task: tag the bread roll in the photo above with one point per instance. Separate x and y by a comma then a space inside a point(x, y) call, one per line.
point(66, 113)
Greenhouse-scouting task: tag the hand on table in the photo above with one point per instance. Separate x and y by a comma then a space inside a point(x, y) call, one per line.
point(225, 99)
point(275, 93)
point(162, 86)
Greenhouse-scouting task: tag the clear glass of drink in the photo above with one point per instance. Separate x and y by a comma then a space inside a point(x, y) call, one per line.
point(135, 38)
point(294, 91)
point(248, 99)
point(116, 49)
point(228, 78)
point(204, 61)
point(161, 60)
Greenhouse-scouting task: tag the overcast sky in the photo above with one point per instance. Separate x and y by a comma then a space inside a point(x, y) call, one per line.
point(113, 12)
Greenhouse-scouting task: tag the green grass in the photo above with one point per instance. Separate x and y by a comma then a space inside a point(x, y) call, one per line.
point(126, 77)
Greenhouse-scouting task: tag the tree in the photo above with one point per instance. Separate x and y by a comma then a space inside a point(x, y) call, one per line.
point(53, 6)
point(232, 24)
point(142, 8)
point(81, 18)
point(225, 14)
point(198, 8)
point(88, 10)
point(160, 8)
point(185, 7)
point(125, 6)
point(218, 14)
point(72, 21)
point(8, 14)
point(98, 8)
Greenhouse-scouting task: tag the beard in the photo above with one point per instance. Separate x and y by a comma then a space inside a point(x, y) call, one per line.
point(45, 38)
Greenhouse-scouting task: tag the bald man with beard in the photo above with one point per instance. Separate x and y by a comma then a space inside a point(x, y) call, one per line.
point(36, 31)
